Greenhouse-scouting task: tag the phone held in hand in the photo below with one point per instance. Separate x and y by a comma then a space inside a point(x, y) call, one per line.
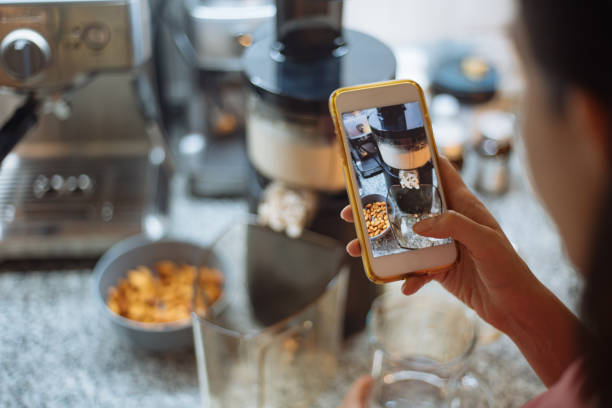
point(391, 168)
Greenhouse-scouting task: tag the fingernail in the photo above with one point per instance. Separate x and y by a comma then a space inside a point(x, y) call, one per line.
point(424, 225)
point(349, 249)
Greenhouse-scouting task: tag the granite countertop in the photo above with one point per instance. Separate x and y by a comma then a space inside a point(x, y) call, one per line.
point(57, 351)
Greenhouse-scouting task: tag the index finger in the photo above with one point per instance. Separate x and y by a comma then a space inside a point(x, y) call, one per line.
point(460, 198)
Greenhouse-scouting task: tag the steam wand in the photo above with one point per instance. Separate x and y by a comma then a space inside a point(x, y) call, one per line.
point(14, 129)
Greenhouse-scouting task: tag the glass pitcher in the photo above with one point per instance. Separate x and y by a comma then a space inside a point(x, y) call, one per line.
point(421, 353)
point(274, 338)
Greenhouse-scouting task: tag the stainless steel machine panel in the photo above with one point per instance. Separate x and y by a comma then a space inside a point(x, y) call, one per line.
point(49, 44)
point(53, 207)
point(75, 186)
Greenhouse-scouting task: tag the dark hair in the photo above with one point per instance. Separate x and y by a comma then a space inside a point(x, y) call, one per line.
point(597, 315)
point(570, 42)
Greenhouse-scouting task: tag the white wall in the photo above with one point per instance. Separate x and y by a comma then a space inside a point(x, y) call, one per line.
point(411, 26)
point(409, 22)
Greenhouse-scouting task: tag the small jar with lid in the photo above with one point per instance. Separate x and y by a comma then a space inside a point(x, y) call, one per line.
point(495, 130)
point(450, 138)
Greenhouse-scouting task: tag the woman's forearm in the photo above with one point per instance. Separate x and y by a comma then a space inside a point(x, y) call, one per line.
point(547, 333)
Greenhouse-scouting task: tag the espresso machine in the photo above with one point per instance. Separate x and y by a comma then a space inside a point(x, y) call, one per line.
point(297, 181)
point(85, 161)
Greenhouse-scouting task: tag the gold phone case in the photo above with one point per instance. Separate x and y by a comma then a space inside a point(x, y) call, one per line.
point(351, 183)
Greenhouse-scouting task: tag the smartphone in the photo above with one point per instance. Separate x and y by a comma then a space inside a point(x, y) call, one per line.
point(391, 169)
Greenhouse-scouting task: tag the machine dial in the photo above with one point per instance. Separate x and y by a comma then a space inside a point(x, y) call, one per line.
point(24, 53)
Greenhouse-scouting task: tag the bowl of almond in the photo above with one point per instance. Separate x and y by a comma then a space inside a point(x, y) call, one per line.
point(375, 215)
point(146, 289)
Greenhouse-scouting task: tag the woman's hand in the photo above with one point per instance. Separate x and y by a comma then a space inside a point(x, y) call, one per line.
point(357, 396)
point(491, 278)
point(489, 274)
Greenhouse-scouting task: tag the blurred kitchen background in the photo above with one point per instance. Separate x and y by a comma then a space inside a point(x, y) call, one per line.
point(178, 118)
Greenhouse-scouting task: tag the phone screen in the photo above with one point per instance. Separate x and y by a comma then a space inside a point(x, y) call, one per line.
point(397, 180)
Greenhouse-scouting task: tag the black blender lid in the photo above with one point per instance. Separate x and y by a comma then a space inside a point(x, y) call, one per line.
point(307, 84)
point(397, 121)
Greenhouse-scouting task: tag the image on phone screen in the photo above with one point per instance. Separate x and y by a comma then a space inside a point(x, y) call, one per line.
point(397, 181)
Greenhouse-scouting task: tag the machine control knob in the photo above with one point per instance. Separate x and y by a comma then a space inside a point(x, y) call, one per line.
point(96, 36)
point(24, 53)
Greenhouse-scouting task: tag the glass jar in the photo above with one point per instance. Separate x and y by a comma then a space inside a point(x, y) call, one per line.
point(421, 350)
point(493, 147)
point(296, 147)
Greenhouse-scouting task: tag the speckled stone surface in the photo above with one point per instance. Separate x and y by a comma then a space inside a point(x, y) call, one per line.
point(57, 351)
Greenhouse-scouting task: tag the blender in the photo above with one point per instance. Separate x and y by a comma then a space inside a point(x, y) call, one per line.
point(297, 181)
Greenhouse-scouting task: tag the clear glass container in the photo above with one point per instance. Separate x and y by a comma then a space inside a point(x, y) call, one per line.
point(275, 341)
point(293, 146)
point(421, 347)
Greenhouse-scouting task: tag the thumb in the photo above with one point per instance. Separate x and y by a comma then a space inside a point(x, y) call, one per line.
point(359, 393)
point(477, 238)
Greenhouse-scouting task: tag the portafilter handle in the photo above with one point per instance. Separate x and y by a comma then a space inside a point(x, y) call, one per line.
point(23, 119)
